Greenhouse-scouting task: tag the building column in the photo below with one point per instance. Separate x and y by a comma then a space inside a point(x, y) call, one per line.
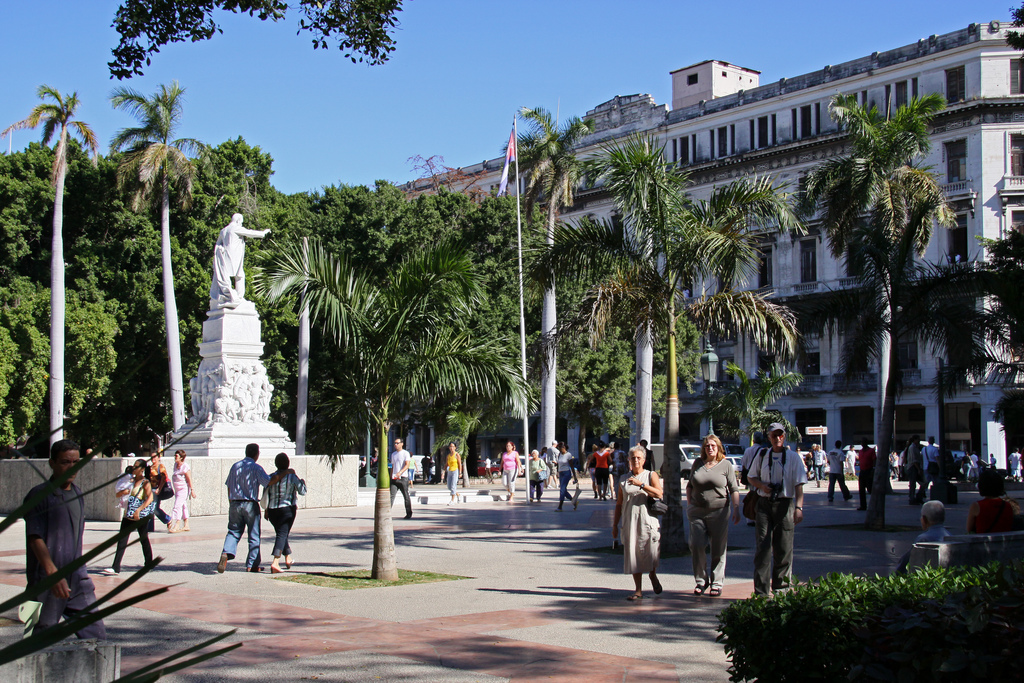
point(993, 438)
point(931, 422)
point(834, 423)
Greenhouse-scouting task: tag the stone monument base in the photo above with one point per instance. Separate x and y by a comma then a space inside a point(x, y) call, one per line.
point(224, 440)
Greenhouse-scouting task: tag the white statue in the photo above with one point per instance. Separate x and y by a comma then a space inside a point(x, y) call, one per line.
point(228, 255)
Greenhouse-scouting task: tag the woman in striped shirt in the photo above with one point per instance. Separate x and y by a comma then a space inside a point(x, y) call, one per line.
point(281, 506)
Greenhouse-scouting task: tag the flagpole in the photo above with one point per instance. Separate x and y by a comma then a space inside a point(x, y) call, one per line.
point(522, 315)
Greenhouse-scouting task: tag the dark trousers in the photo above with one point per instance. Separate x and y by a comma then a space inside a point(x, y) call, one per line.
point(867, 476)
point(916, 478)
point(773, 558)
point(122, 544)
point(841, 478)
point(401, 484)
point(536, 489)
point(282, 519)
point(563, 486)
point(83, 594)
point(601, 476)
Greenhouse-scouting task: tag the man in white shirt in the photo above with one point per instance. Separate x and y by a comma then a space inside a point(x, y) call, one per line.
point(836, 462)
point(779, 476)
point(401, 461)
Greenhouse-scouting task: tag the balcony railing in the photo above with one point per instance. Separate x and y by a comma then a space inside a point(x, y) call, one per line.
point(857, 382)
point(1013, 182)
point(805, 288)
point(957, 188)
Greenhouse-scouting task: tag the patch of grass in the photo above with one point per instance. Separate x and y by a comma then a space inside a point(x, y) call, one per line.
point(353, 580)
point(859, 526)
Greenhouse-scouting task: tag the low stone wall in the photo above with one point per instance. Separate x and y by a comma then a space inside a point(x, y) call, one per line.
point(970, 550)
point(74, 661)
point(325, 488)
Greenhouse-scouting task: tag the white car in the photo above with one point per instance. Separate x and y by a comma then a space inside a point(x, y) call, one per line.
point(688, 452)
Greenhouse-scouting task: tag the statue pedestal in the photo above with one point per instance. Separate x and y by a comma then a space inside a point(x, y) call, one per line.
point(231, 394)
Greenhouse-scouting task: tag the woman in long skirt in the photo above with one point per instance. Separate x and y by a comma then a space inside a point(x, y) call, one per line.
point(641, 531)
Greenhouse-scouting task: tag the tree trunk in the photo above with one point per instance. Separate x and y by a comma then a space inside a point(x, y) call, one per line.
point(57, 310)
point(549, 369)
point(880, 484)
point(384, 567)
point(673, 524)
point(302, 400)
point(644, 391)
point(171, 313)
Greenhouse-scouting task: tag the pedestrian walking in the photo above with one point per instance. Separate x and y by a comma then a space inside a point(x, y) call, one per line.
point(866, 477)
point(161, 483)
point(510, 467)
point(1014, 462)
point(400, 463)
point(641, 531)
point(243, 483)
point(181, 484)
point(538, 471)
point(140, 508)
point(818, 461)
point(602, 462)
point(836, 473)
point(779, 477)
point(453, 465)
point(54, 527)
point(282, 505)
point(566, 472)
point(709, 491)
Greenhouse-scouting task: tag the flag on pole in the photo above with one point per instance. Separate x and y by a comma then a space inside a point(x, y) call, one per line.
point(510, 156)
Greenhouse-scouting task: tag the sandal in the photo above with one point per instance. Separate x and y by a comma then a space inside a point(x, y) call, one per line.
point(699, 590)
point(657, 586)
point(715, 592)
point(635, 596)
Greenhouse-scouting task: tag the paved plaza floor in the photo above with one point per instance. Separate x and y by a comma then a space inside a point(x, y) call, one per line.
point(539, 604)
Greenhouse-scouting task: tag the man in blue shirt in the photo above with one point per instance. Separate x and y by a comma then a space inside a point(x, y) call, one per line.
point(930, 462)
point(243, 482)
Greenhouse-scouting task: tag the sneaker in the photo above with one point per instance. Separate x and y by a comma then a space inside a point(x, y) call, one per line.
point(109, 571)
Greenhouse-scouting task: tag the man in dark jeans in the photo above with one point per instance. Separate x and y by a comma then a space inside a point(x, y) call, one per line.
point(400, 463)
point(867, 474)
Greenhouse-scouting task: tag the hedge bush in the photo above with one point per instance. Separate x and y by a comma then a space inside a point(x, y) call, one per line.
point(819, 630)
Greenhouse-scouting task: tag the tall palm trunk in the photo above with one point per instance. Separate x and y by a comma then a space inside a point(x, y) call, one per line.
point(644, 385)
point(549, 370)
point(57, 309)
point(673, 528)
point(384, 567)
point(171, 312)
point(880, 484)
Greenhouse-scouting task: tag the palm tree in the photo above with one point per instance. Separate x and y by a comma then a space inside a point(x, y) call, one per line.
point(156, 164)
point(548, 152)
point(402, 346)
point(57, 117)
point(744, 402)
point(647, 273)
point(878, 208)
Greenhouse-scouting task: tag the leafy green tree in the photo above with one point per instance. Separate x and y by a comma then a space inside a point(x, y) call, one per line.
point(553, 172)
point(401, 345)
point(896, 295)
point(155, 164)
point(361, 28)
point(57, 117)
point(708, 243)
point(1014, 38)
point(744, 401)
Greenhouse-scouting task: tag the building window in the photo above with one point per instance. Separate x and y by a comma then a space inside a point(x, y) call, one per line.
point(1016, 76)
point(684, 151)
point(888, 99)
point(1017, 155)
point(913, 87)
point(691, 79)
point(863, 98)
point(809, 261)
point(901, 94)
point(723, 141)
point(793, 130)
point(956, 84)
point(764, 273)
point(906, 352)
point(1017, 221)
point(811, 364)
point(723, 363)
point(765, 362)
point(958, 240)
point(805, 122)
point(711, 146)
point(732, 138)
point(956, 161)
point(775, 129)
point(762, 132)
point(817, 118)
point(752, 142)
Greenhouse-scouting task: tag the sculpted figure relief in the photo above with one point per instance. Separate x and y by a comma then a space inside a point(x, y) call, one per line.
point(234, 393)
point(228, 255)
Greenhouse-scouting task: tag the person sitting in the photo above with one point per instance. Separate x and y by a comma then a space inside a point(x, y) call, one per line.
point(933, 518)
point(994, 512)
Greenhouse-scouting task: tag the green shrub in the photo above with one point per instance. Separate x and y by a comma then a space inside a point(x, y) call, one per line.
point(976, 634)
point(810, 632)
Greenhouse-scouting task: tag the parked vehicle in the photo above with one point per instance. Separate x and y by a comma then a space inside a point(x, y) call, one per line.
point(688, 453)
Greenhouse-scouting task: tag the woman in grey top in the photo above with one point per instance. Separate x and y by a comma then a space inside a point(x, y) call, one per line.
point(712, 484)
point(281, 506)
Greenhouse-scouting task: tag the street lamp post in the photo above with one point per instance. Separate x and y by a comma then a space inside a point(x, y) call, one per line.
point(709, 371)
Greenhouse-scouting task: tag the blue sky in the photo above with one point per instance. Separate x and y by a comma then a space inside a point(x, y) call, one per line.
point(461, 70)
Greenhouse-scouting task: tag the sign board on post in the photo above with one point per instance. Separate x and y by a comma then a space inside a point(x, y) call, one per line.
point(816, 431)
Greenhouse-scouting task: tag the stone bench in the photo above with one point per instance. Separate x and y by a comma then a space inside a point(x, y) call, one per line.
point(71, 661)
point(970, 550)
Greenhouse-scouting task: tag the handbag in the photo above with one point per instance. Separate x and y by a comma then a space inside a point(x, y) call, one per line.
point(750, 505)
point(656, 507)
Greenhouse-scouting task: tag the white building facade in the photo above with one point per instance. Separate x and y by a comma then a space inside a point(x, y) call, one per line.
point(723, 124)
